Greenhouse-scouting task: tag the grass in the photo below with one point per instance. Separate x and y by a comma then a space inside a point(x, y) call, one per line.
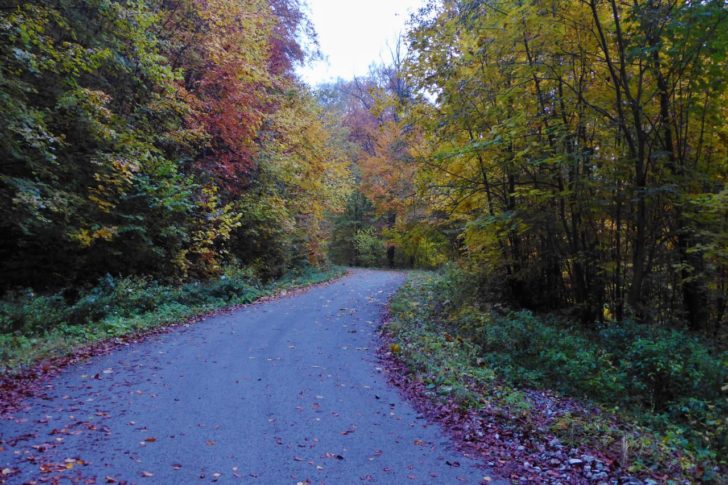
point(37, 327)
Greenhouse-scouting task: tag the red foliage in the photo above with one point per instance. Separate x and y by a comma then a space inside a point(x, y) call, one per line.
point(237, 59)
point(285, 49)
point(231, 113)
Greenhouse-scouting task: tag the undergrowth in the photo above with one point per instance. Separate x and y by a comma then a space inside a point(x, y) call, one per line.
point(661, 391)
point(34, 327)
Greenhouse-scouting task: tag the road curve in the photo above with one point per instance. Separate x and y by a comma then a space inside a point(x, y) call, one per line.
point(281, 392)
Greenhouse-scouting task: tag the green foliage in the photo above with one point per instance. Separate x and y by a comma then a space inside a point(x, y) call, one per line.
point(84, 88)
point(666, 380)
point(31, 314)
point(370, 248)
point(655, 371)
point(357, 215)
point(265, 236)
point(360, 238)
point(419, 246)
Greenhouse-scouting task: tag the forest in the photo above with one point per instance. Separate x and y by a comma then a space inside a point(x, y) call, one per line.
point(559, 168)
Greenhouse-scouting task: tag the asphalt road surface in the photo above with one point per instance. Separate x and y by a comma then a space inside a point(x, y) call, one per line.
point(281, 392)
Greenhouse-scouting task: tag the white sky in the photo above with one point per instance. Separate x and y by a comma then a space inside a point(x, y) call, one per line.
point(353, 34)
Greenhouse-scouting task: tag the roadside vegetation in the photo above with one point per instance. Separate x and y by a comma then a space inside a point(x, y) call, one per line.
point(659, 391)
point(35, 327)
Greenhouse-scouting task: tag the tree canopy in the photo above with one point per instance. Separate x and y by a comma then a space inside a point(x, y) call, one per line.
point(578, 150)
point(161, 138)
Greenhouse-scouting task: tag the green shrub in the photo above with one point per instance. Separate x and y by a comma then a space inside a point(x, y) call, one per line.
point(94, 304)
point(31, 314)
point(134, 295)
point(370, 248)
point(527, 350)
point(226, 289)
point(669, 365)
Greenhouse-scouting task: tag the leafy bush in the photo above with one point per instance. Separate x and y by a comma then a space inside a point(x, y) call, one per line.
point(122, 297)
point(94, 304)
point(226, 289)
point(668, 365)
point(264, 239)
point(370, 248)
point(31, 313)
point(527, 350)
point(667, 377)
point(232, 286)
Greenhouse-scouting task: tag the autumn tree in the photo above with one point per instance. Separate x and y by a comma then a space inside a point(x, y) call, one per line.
point(137, 134)
point(571, 141)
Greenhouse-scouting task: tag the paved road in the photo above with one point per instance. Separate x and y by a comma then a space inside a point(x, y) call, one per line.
point(281, 392)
